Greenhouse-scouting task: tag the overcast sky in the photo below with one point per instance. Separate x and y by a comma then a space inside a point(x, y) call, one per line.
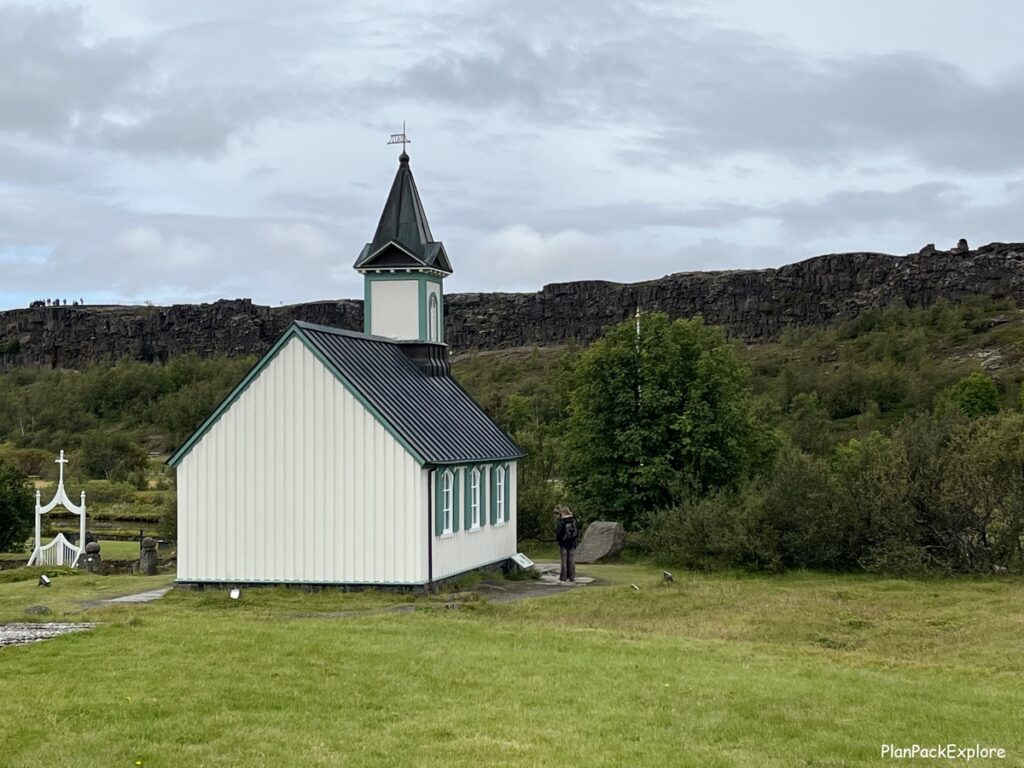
point(193, 150)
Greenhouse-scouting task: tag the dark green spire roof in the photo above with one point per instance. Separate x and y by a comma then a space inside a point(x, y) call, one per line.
point(403, 236)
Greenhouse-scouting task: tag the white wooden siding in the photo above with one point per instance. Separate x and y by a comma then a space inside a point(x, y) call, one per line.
point(395, 305)
point(466, 550)
point(297, 482)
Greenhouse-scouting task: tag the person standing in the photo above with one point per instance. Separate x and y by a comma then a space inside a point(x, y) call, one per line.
point(567, 533)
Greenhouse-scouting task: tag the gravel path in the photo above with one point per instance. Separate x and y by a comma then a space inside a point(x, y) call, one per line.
point(548, 584)
point(140, 597)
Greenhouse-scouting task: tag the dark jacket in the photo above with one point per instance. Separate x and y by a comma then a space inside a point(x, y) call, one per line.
point(565, 541)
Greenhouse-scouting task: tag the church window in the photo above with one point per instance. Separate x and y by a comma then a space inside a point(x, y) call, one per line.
point(474, 498)
point(447, 499)
point(499, 495)
point(432, 319)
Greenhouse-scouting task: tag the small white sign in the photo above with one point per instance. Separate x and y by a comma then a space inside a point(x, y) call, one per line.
point(522, 560)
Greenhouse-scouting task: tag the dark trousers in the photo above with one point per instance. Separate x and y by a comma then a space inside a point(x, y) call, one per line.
point(568, 564)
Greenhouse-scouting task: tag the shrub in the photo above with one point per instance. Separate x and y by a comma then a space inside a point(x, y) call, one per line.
point(112, 455)
point(718, 531)
point(30, 461)
point(809, 424)
point(108, 492)
point(801, 523)
point(169, 517)
point(898, 558)
point(974, 396)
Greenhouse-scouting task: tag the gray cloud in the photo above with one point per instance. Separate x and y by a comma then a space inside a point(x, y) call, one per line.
point(22, 165)
point(697, 92)
point(359, 208)
point(76, 247)
point(921, 205)
point(188, 91)
point(53, 80)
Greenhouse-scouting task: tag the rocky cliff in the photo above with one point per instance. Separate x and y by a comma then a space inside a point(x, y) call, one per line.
point(753, 305)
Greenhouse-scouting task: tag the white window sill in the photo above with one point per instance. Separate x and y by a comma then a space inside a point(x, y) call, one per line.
point(500, 524)
point(447, 535)
point(474, 529)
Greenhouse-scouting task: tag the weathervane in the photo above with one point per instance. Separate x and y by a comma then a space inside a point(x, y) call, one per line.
point(400, 138)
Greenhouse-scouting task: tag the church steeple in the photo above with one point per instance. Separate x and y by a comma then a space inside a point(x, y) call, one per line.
point(403, 267)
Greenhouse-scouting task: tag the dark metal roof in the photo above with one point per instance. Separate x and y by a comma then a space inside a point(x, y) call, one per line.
point(403, 222)
point(432, 413)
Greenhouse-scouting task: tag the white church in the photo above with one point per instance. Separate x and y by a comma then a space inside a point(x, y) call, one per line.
point(353, 458)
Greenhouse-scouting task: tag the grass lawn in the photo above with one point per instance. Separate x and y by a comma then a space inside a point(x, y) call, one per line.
point(725, 670)
point(119, 550)
point(109, 550)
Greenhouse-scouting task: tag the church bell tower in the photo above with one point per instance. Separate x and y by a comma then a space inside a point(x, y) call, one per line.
point(404, 268)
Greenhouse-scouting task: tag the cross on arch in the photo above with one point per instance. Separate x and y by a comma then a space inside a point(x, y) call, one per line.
point(61, 461)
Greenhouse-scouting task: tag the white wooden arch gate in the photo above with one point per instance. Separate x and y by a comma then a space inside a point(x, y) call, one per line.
point(60, 551)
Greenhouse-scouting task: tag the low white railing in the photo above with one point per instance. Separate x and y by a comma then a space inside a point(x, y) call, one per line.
point(60, 551)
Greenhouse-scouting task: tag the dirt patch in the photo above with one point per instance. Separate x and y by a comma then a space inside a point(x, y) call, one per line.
point(508, 591)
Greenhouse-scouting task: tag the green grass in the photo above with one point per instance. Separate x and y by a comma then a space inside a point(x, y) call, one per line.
point(68, 594)
point(109, 550)
point(712, 671)
point(119, 550)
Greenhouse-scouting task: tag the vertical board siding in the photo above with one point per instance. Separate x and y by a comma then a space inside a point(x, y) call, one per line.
point(395, 308)
point(466, 550)
point(297, 482)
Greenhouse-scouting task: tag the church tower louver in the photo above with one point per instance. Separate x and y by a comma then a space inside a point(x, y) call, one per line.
point(404, 268)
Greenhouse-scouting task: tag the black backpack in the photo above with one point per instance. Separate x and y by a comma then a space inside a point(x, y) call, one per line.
point(571, 533)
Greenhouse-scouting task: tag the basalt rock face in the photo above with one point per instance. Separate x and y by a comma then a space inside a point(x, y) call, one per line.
point(753, 305)
point(70, 337)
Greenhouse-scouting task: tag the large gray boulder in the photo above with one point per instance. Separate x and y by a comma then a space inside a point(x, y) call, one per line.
point(602, 540)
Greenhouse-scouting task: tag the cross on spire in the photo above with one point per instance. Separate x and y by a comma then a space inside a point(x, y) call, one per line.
point(400, 138)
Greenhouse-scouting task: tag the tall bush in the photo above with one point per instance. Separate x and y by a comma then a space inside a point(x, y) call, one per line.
point(17, 507)
point(659, 414)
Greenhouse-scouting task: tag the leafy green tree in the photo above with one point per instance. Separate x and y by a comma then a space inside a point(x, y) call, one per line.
point(974, 396)
point(17, 505)
point(980, 509)
point(657, 416)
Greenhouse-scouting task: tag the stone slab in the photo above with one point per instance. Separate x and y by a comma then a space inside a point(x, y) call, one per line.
point(21, 633)
point(141, 597)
